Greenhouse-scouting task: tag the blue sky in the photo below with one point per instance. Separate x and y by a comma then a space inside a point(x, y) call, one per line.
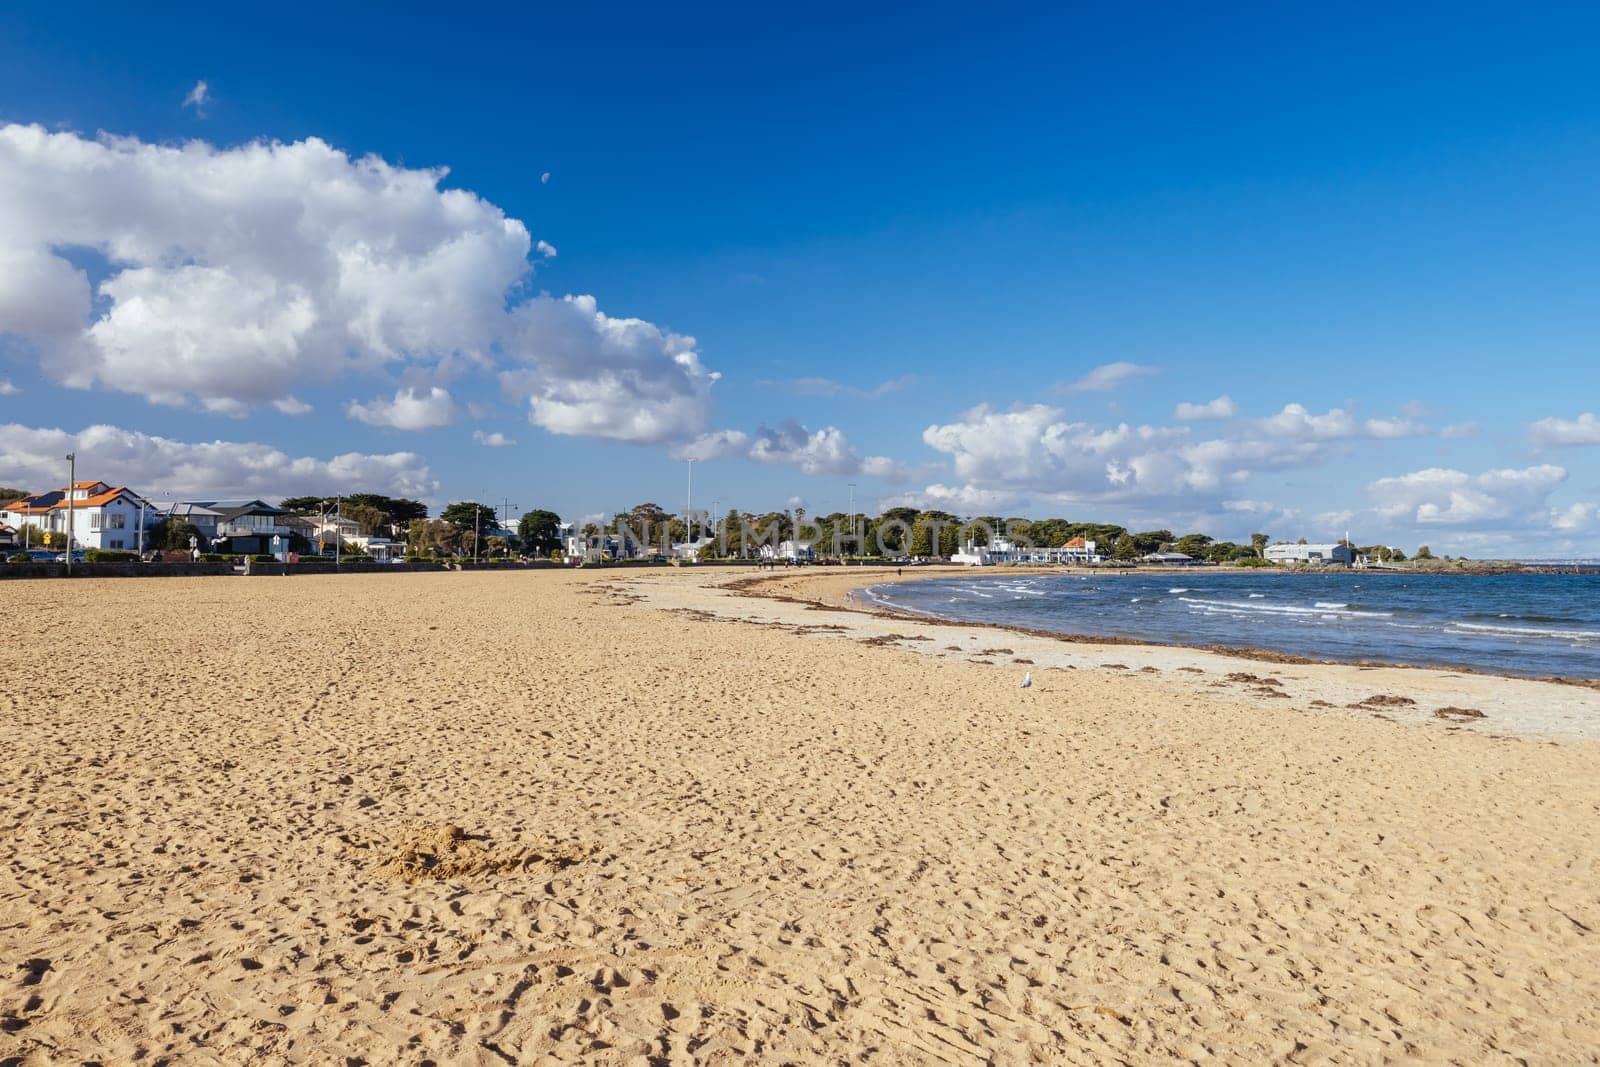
point(897, 239)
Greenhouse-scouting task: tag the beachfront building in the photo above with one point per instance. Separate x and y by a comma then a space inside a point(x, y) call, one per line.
point(100, 515)
point(790, 550)
point(1004, 550)
point(972, 555)
point(690, 550)
point(1286, 554)
point(201, 517)
point(998, 550)
point(1077, 550)
point(247, 526)
point(384, 549)
point(330, 531)
point(579, 547)
point(1170, 559)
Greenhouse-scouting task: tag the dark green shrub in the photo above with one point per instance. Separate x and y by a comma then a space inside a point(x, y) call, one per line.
point(109, 555)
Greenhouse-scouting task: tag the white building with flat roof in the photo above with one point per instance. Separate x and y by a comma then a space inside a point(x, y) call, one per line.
point(1342, 555)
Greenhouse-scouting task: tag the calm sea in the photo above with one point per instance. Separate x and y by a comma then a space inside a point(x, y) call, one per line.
point(1525, 624)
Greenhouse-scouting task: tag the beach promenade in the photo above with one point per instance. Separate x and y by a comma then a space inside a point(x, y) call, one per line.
point(633, 817)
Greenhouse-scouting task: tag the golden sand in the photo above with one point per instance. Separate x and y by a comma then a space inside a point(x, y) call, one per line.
point(613, 816)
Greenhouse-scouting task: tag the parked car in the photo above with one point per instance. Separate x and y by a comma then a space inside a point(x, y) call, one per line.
point(61, 557)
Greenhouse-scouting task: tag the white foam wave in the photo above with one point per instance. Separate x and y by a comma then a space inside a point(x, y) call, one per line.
point(1179, 589)
point(1529, 631)
point(1286, 609)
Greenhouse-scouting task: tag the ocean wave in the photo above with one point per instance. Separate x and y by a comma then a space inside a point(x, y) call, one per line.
point(1286, 609)
point(1529, 631)
point(1331, 604)
point(1179, 589)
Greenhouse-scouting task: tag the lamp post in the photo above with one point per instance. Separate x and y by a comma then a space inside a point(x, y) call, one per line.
point(72, 480)
point(506, 508)
point(322, 530)
point(855, 542)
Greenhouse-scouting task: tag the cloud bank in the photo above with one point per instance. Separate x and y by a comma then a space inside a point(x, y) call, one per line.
point(223, 278)
point(158, 466)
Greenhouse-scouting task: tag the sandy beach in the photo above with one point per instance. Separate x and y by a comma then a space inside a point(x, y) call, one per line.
point(636, 816)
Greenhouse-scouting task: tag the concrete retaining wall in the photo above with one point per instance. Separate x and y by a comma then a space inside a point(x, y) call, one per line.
point(185, 569)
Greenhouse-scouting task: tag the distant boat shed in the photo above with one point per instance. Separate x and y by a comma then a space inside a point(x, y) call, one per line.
point(1343, 555)
point(1170, 559)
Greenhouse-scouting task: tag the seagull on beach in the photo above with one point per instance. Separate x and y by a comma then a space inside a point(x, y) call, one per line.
point(1027, 679)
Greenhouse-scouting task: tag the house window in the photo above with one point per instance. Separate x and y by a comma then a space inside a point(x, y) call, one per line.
point(117, 521)
point(115, 542)
point(94, 520)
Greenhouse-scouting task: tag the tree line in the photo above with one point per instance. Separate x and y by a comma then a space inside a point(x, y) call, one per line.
point(467, 527)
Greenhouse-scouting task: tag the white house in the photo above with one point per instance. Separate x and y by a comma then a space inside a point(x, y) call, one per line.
point(335, 530)
point(793, 550)
point(1341, 554)
point(596, 548)
point(691, 549)
point(100, 515)
point(1077, 550)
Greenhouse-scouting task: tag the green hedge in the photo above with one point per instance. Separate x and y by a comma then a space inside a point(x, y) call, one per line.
point(109, 555)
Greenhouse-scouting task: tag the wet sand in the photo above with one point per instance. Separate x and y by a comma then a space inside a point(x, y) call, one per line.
point(620, 816)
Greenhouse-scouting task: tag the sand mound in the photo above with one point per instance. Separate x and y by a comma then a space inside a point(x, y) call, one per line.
point(444, 852)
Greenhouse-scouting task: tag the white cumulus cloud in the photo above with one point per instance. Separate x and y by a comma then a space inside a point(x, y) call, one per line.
point(1446, 497)
point(587, 373)
point(1222, 407)
point(157, 466)
point(410, 409)
point(492, 440)
point(824, 451)
point(226, 278)
point(1557, 433)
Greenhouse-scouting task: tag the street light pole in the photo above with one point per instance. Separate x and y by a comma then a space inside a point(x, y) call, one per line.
point(855, 542)
point(72, 480)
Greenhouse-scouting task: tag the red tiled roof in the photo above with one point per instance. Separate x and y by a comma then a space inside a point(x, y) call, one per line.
point(98, 500)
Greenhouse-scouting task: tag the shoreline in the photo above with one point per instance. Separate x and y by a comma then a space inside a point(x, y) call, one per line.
point(1474, 700)
point(1263, 655)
